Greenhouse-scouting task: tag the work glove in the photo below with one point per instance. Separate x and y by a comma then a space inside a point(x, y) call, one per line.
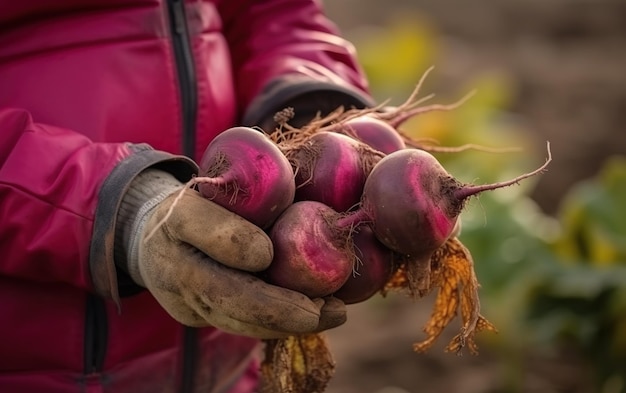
point(197, 259)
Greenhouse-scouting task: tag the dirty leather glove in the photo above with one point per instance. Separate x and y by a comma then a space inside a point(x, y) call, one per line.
point(197, 263)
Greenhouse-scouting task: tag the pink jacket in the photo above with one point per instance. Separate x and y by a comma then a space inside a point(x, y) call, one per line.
point(91, 93)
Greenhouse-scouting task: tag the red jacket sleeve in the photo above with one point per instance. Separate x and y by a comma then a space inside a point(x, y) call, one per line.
point(59, 194)
point(273, 40)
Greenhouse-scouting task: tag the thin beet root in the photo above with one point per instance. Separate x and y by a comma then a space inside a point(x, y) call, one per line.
point(402, 116)
point(411, 107)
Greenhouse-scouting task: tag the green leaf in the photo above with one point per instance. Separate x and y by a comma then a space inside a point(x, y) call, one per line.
point(593, 216)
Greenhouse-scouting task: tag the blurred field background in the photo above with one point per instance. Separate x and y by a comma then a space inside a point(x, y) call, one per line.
point(550, 254)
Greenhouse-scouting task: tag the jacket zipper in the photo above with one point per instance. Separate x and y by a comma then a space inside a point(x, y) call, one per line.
point(189, 359)
point(95, 334)
point(189, 102)
point(95, 313)
point(186, 74)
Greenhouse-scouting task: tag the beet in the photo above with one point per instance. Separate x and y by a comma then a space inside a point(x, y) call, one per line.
point(245, 171)
point(311, 254)
point(413, 203)
point(373, 270)
point(330, 168)
point(374, 132)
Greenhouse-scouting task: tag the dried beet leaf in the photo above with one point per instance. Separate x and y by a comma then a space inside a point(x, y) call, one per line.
point(297, 364)
point(452, 272)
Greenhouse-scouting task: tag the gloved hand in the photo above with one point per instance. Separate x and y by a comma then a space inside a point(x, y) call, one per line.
point(197, 263)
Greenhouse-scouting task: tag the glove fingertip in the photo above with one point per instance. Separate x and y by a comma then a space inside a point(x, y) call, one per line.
point(257, 254)
point(332, 314)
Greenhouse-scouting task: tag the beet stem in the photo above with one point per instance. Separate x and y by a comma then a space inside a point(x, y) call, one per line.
point(224, 180)
point(353, 219)
point(467, 191)
point(218, 180)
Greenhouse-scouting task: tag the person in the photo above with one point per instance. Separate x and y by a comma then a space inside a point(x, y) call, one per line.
point(105, 108)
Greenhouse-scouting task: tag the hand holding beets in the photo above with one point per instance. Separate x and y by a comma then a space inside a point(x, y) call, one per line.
point(406, 199)
point(342, 199)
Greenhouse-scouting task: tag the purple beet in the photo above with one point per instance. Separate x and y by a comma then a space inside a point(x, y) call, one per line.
point(374, 132)
point(331, 168)
point(311, 254)
point(245, 172)
point(373, 270)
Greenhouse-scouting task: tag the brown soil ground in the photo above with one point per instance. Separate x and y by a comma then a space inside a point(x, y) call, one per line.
point(373, 352)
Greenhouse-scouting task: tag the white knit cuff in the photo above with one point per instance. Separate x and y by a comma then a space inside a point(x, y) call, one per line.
point(145, 193)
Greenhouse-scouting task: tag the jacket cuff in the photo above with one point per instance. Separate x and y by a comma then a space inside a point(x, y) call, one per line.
point(108, 280)
point(306, 96)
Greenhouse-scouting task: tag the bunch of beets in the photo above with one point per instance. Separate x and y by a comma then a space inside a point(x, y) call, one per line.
point(343, 199)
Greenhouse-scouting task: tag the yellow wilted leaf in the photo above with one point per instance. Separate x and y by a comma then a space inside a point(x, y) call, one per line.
point(297, 364)
point(452, 272)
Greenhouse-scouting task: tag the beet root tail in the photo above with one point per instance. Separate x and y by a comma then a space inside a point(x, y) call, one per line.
point(467, 191)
